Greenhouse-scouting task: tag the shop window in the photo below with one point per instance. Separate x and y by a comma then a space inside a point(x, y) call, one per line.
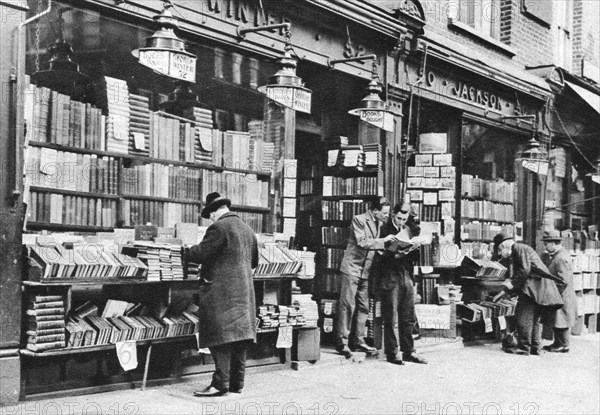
point(556, 180)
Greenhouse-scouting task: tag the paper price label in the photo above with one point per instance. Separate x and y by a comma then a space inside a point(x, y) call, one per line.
point(488, 325)
point(127, 354)
point(502, 322)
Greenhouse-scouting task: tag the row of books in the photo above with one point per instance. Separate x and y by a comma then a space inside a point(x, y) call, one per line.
point(160, 180)
point(583, 262)
point(52, 117)
point(484, 231)
point(356, 156)
point(310, 203)
point(486, 210)
point(498, 190)
point(432, 171)
point(428, 289)
point(271, 316)
point(329, 282)
point(339, 186)
point(46, 167)
point(277, 260)
point(343, 209)
point(45, 322)
point(331, 257)
point(71, 210)
point(240, 188)
point(486, 309)
point(588, 303)
point(483, 268)
point(309, 308)
point(307, 187)
point(429, 213)
point(163, 260)
point(477, 250)
point(84, 261)
point(164, 214)
point(586, 281)
point(242, 151)
point(334, 235)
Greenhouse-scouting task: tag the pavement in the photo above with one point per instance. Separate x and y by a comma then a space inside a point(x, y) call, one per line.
point(475, 379)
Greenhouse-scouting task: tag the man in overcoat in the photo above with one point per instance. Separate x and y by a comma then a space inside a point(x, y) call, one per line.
point(354, 292)
point(536, 293)
point(228, 253)
point(558, 260)
point(392, 273)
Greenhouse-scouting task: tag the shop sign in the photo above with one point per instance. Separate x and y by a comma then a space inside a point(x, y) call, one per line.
point(241, 11)
point(381, 119)
point(469, 93)
point(291, 97)
point(176, 65)
point(431, 316)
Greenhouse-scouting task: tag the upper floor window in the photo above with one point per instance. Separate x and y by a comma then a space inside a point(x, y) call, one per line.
point(561, 28)
point(481, 15)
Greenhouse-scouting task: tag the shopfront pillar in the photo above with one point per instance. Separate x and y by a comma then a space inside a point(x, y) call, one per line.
point(12, 14)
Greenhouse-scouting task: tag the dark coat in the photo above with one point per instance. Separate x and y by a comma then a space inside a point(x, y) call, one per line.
point(389, 268)
point(525, 263)
point(560, 265)
point(362, 244)
point(227, 253)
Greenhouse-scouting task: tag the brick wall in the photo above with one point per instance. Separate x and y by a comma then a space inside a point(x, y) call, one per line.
point(531, 40)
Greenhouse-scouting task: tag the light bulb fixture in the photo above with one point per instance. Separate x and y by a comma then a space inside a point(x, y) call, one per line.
point(284, 87)
point(61, 74)
point(534, 158)
point(164, 52)
point(373, 110)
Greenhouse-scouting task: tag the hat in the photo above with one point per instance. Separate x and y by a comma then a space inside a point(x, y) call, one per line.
point(551, 235)
point(499, 238)
point(213, 202)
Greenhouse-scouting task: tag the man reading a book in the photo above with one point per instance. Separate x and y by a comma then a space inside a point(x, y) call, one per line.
point(228, 253)
point(392, 272)
point(364, 240)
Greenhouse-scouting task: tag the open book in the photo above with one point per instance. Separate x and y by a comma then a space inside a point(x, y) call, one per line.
point(404, 243)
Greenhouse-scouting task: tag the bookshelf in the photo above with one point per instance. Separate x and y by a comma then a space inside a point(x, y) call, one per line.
point(90, 168)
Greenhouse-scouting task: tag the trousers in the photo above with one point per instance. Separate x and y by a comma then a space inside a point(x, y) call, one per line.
point(527, 316)
point(398, 309)
point(353, 302)
point(230, 365)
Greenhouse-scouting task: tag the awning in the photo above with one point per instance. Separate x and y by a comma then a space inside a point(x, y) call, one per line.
point(593, 100)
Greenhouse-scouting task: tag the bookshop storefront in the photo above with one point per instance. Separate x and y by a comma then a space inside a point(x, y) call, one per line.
point(111, 142)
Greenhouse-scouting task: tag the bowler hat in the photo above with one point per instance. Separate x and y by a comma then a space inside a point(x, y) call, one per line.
point(551, 235)
point(499, 238)
point(212, 203)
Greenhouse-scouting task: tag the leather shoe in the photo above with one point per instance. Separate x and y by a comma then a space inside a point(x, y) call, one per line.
point(415, 358)
point(395, 360)
point(535, 351)
point(211, 391)
point(559, 349)
point(517, 350)
point(364, 347)
point(344, 350)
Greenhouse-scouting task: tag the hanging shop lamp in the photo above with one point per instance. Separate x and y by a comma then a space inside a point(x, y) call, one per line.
point(534, 158)
point(373, 110)
point(595, 175)
point(285, 87)
point(164, 52)
point(61, 74)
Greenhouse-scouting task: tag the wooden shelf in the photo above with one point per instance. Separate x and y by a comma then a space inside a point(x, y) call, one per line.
point(485, 199)
point(162, 199)
point(486, 220)
point(250, 208)
point(349, 197)
point(72, 193)
point(101, 347)
point(77, 150)
point(278, 277)
point(66, 227)
point(103, 281)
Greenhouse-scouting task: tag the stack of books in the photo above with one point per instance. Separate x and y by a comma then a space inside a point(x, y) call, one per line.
point(139, 141)
point(307, 310)
point(119, 114)
point(163, 260)
point(45, 323)
point(274, 260)
point(373, 156)
point(484, 269)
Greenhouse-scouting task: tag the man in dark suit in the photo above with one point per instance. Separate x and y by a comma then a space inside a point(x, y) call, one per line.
point(228, 253)
point(536, 293)
point(363, 242)
point(558, 260)
point(393, 270)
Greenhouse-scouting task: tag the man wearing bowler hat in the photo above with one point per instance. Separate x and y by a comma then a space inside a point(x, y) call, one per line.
point(537, 292)
point(558, 261)
point(228, 253)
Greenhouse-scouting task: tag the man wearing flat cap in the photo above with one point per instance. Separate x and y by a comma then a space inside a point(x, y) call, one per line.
point(228, 253)
point(558, 260)
point(537, 292)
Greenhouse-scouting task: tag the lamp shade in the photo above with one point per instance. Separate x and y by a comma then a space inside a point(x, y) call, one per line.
point(285, 87)
point(373, 109)
point(534, 158)
point(165, 53)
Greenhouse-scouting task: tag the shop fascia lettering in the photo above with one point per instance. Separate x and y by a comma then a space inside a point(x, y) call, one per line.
point(243, 11)
point(466, 92)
